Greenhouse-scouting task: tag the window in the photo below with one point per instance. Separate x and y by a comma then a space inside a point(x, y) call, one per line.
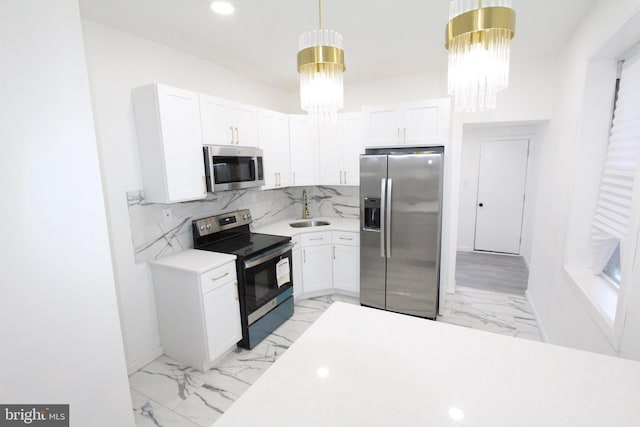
point(613, 208)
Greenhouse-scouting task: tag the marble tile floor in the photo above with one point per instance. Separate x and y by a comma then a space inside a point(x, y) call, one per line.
point(166, 393)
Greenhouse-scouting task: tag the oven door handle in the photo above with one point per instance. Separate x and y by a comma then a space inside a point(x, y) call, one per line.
point(252, 262)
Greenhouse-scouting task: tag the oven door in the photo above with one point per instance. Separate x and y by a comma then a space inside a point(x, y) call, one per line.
point(266, 276)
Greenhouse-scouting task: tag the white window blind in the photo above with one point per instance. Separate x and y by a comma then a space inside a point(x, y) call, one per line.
point(613, 209)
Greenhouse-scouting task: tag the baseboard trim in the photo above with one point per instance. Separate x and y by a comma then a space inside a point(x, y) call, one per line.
point(543, 332)
point(144, 360)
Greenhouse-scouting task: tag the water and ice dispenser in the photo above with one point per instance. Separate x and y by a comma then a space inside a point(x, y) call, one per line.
point(372, 213)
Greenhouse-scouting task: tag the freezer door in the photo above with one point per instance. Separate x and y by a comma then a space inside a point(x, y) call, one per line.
point(414, 191)
point(373, 176)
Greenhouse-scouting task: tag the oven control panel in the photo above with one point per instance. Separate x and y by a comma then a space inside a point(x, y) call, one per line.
point(226, 221)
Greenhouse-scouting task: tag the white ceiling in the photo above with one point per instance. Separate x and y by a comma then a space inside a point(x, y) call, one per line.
point(382, 38)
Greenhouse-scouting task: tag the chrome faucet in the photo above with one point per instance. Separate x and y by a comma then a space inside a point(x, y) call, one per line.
point(305, 206)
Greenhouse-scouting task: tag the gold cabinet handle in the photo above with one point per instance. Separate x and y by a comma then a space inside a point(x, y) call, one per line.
point(275, 174)
point(237, 136)
point(345, 177)
point(405, 136)
point(399, 136)
point(294, 178)
point(317, 238)
point(220, 277)
point(232, 139)
point(334, 252)
point(279, 180)
point(304, 256)
point(346, 238)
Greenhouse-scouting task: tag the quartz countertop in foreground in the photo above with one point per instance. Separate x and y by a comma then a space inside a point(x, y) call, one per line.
point(357, 366)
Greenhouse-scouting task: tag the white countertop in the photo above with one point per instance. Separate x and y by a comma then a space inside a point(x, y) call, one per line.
point(357, 366)
point(194, 260)
point(283, 228)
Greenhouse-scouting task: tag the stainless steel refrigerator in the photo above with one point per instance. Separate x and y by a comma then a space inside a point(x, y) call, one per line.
point(400, 228)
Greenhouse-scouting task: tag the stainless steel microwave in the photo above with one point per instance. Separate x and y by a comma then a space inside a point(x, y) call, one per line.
point(232, 168)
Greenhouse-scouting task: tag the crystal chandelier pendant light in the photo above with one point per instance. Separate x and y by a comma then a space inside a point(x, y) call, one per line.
point(478, 37)
point(321, 68)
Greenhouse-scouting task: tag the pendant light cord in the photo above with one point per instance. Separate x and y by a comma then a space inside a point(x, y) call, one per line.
point(320, 9)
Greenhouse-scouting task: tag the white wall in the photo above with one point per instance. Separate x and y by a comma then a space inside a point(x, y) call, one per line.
point(565, 319)
point(470, 168)
point(118, 62)
point(61, 339)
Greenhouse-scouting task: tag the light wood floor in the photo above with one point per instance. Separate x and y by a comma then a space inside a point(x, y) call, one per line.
point(492, 272)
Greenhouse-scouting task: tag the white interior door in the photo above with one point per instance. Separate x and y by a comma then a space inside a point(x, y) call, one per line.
point(501, 189)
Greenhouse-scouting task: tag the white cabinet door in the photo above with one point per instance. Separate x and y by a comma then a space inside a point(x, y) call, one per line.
point(281, 149)
point(352, 148)
point(346, 268)
point(216, 123)
point(317, 268)
point(331, 138)
point(383, 126)
point(415, 124)
point(425, 122)
point(273, 131)
point(170, 143)
point(303, 136)
point(244, 120)
point(222, 319)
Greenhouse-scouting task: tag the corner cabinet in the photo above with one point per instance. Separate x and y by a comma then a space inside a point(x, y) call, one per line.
point(340, 149)
point(303, 137)
point(273, 131)
point(197, 304)
point(412, 124)
point(228, 123)
point(170, 143)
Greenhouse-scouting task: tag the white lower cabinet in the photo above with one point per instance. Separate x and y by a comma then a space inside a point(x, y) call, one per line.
point(222, 318)
point(346, 261)
point(316, 261)
point(197, 305)
point(330, 261)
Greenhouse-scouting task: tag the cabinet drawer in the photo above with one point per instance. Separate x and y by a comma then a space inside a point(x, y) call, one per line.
point(217, 277)
point(314, 239)
point(346, 238)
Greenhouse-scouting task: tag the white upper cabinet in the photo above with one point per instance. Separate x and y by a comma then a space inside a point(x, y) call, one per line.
point(305, 164)
point(331, 140)
point(225, 122)
point(352, 148)
point(414, 124)
point(340, 149)
point(273, 131)
point(170, 143)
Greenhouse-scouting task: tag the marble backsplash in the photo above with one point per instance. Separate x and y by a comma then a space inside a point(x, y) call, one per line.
point(153, 237)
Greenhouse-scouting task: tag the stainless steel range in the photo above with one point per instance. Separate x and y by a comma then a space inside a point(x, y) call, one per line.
point(263, 264)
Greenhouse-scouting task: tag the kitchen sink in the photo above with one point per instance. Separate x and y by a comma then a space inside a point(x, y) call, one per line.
point(310, 223)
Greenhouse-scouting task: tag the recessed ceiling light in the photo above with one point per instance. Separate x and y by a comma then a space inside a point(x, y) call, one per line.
point(222, 7)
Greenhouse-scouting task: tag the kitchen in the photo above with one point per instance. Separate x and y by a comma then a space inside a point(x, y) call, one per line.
point(119, 61)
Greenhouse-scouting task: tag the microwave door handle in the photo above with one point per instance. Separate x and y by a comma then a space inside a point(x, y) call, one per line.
point(252, 262)
point(383, 203)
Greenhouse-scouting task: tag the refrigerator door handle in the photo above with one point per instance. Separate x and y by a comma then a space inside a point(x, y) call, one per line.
point(383, 202)
point(387, 226)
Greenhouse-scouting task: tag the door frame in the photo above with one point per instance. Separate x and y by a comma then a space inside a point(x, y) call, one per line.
point(528, 138)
